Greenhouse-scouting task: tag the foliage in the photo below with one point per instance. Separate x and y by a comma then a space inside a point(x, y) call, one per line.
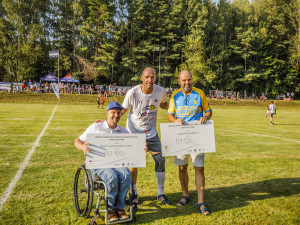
point(239, 45)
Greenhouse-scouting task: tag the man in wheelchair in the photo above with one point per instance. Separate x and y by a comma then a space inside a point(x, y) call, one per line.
point(118, 180)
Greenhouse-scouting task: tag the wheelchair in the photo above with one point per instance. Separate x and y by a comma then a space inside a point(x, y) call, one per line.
point(84, 190)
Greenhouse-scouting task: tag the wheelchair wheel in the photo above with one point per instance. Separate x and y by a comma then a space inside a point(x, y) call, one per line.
point(83, 191)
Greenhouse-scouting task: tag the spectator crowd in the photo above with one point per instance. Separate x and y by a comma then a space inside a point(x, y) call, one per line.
point(111, 90)
point(70, 88)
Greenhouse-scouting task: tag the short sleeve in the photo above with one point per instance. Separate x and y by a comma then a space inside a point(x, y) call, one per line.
point(171, 109)
point(126, 103)
point(205, 104)
point(163, 97)
point(89, 130)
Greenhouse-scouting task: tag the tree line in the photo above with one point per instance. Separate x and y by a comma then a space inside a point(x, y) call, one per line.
point(238, 45)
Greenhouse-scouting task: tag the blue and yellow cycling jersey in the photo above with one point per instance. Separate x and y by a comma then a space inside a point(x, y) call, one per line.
point(188, 107)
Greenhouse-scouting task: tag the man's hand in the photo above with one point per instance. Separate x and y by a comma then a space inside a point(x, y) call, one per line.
point(181, 121)
point(80, 145)
point(146, 148)
point(85, 149)
point(203, 120)
point(99, 121)
point(206, 117)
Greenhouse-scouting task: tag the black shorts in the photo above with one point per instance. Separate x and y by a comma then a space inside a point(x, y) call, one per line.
point(271, 114)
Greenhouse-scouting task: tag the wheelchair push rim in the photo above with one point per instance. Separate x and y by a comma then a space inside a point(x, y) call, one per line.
point(83, 191)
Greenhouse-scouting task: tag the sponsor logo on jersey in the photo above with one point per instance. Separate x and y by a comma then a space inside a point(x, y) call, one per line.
point(188, 111)
point(149, 107)
point(144, 131)
point(143, 114)
point(195, 102)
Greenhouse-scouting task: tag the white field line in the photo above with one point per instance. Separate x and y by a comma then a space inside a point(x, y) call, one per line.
point(261, 135)
point(18, 175)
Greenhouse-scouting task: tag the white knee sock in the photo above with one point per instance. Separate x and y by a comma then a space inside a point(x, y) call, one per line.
point(160, 178)
point(134, 189)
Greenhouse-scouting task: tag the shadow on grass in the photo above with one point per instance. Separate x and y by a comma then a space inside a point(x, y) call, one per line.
point(218, 199)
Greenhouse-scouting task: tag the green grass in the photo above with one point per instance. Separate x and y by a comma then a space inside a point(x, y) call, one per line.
point(249, 180)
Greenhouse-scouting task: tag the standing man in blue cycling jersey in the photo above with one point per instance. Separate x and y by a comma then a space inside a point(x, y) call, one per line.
point(188, 104)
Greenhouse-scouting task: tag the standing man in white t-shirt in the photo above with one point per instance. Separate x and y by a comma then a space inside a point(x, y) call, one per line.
point(272, 111)
point(143, 102)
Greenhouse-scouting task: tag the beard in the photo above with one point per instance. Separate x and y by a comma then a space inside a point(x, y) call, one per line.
point(187, 89)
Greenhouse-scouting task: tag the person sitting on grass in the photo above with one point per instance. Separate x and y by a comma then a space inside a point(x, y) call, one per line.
point(118, 180)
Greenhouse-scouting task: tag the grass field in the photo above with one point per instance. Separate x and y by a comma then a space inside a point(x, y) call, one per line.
point(251, 179)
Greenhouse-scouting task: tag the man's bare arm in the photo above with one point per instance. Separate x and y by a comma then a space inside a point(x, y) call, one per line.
point(172, 118)
point(80, 145)
point(123, 111)
point(164, 105)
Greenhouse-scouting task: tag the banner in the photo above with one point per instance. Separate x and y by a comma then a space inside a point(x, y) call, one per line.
point(53, 54)
point(5, 86)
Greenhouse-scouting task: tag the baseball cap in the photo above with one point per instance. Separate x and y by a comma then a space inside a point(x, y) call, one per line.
point(114, 105)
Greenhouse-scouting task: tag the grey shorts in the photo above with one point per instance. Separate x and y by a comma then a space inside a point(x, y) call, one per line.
point(154, 144)
point(198, 160)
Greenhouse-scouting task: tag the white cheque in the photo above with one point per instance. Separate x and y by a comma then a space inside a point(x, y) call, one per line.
point(116, 150)
point(191, 138)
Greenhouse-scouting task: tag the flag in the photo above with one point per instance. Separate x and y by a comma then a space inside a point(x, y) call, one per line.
point(56, 90)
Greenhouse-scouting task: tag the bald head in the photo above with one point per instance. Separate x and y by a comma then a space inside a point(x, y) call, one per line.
point(184, 72)
point(148, 71)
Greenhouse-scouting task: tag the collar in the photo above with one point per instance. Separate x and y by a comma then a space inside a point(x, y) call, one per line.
point(107, 127)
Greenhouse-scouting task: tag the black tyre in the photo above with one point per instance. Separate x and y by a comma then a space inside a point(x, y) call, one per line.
point(83, 191)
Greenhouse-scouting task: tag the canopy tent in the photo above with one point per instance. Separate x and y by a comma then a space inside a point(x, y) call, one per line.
point(49, 77)
point(69, 79)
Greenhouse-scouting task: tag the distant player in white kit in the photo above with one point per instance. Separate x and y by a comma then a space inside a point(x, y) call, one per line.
point(143, 102)
point(272, 111)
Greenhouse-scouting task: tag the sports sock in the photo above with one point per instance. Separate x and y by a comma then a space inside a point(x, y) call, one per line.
point(160, 178)
point(134, 189)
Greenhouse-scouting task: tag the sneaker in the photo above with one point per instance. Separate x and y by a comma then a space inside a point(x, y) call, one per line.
point(163, 198)
point(111, 216)
point(122, 215)
point(135, 200)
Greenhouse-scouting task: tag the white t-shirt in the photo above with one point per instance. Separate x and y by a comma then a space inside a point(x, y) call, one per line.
point(143, 108)
point(272, 108)
point(101, 128)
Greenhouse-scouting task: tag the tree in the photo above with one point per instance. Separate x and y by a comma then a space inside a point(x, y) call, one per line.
point(20, 37)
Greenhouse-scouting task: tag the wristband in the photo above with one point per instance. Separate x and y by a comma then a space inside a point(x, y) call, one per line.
point(207, 117)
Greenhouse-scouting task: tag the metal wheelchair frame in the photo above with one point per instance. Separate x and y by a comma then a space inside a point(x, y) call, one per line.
point(91, 187)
